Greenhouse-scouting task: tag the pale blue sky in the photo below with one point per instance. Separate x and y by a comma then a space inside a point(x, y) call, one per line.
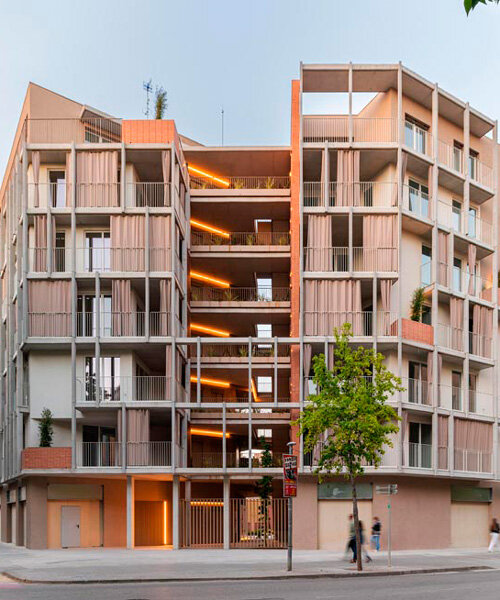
point(240, 54)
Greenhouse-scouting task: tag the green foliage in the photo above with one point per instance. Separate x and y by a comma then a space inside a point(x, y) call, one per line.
point(264, 485)
point(351, 407)
point(417, 304)
point(160, 102)
point(46, 429)
point(471, 4)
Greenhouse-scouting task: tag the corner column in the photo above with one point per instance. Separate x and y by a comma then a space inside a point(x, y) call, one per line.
point(130, 512)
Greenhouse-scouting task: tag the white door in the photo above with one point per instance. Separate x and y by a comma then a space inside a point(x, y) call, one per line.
point(70, 526)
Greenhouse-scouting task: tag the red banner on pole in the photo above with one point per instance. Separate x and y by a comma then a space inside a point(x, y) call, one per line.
point(289, 475)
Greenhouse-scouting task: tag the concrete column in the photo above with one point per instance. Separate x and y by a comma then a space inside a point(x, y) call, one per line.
point(227, 511)
point(350, 104)
point(175, 512)
point(130, 512)
point(123, 164)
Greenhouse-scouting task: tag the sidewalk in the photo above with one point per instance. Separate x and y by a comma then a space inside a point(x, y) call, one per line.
point(121, 565)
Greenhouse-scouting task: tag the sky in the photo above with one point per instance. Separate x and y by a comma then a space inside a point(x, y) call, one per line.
point(240, 55)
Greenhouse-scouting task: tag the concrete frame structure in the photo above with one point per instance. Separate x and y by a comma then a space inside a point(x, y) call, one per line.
point(122, 241)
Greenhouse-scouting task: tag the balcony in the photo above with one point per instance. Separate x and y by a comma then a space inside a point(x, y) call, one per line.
point(363, 323)
point(419, 455)
point(239, 295)
point(337, 259)
point(58, 324)
point(146, 388)
point(264, 182)
point(451, 397)
point(416, 202)
point(234, 460)
point(450, 337)
point(417, 139)
point(472, 461)
point(417, 332)
point(480, 345)
point(363, 194)
point(451, 157)
point(480, 173)
point(260, 352)
point(46, 458)
point(417, 391)
point(335, 129)
point(236, 242)
point(453, 217)
point(138, 454)
point(64, 131)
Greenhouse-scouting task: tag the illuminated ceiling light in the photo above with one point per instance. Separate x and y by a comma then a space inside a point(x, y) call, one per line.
point(212, 382)
point(164, 522)
point(214, 178)
point(206, 503)
point(208, 433)
point(209, 228)
point(211, 330)
point(208, 279)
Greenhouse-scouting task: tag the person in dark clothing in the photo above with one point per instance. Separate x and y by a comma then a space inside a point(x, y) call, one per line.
point(376, 530)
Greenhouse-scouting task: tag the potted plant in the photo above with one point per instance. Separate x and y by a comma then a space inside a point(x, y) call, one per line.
point(417, 304)
point(46, 429)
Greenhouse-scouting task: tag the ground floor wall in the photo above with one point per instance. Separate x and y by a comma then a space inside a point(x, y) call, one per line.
point(426, 513)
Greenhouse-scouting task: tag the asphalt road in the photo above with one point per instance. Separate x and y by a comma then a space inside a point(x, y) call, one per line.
point(442, 586)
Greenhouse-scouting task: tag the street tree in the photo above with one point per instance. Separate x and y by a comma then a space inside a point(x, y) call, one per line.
point(471, 4)
point(348, 421)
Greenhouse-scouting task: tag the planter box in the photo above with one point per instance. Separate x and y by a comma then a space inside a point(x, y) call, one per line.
point(46, 458)
point(418, 332)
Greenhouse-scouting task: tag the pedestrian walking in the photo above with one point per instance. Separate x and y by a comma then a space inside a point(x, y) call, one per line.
point(376, 530)
point(364, 549)
point(494, 531)
point(351, 541)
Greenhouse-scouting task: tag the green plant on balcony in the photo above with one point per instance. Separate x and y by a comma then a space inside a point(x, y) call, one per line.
point(195, 294)
point(229, 295)
point(417, 304)
point(283, 240)
point(269, 183)
point(238, 184)
point(46, 428)
point(250, 239)
point(243, 351)
point(217, 240)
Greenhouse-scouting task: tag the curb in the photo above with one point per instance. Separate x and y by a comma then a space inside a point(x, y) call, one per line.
point(381, 573)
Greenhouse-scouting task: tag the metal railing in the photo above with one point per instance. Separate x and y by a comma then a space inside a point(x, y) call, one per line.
point(96, 195)
point(418, 391)
point(363, 259)
point(335, 129)
point(142, 388)
point(451, 157)
point(457, 219)
point(54, 194)
point(473, 461)
point(159, 324)
point(46, 324)
point(234, 460)
point(450, 337)
point(480, 172)
point(263, 182)
point(160, 259)
point(259, 350)
point(375, 259)
point(480, 345)
point(99, 454)
point(205, 238)
point(312, 193)
point(89, 260)
point(148, 193)
point(363, 194)
point(64, 131)
point(112, 324)
point(149, 454)
point(420, 455)
point(416, 201)
point(324, 323)
point(240, 294)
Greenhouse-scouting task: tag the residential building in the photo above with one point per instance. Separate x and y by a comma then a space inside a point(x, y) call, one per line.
point(165, 299)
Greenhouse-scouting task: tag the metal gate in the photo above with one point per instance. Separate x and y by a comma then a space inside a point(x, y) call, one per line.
point(253, 523)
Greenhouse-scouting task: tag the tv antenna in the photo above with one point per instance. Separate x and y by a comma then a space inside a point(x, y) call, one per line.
point(147, 86)
point(222, 125)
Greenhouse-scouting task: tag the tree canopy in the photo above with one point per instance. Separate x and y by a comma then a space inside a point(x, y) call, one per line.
point(471, 4)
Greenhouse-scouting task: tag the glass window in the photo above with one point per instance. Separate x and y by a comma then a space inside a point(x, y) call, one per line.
point(97, 251)
point(472, 392)
point(60, 252)
point(264, 384)
point(425, 266)
point(264, 289)
point(456, 390)
point(456, 215)
point(57, 184)
point(415, 136)
point(472, 224)
point(457, 275)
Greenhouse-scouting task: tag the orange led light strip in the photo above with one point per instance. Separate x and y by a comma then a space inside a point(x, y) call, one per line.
point(209, 228)
point(208, 433)
point(211, 330)
point(213, 382)
point(214, 178)
point(254, 392)
point(206, 503)
point(208, 279)
point(164, 522)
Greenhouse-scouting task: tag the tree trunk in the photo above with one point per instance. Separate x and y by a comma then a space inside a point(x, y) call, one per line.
point(359, 561)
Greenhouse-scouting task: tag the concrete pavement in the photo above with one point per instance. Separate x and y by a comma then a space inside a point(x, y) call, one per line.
point(152, 564)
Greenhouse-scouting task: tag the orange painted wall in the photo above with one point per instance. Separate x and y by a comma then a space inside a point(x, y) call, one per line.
point(90, 535)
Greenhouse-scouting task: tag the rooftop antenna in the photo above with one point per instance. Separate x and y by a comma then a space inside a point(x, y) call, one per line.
point(147, 86)
point(222, 124)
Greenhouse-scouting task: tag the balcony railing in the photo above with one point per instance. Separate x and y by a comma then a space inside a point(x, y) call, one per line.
point(63, 131)
point(90, 260)
point(363, 194)
point(148, 193)
point(46, 324)
point(451, 157)
point(144, 388)
point(313, 193)
point(450, 337)
point(240, 294)
point(479, 345)
point(363, 259)
point(149, 454)
point(234, 460)
point(420, 455)
point(456, 218)
point(480, 173)
point(259, 350)
point(335, 129)
point(97, 195)
point(264, 182)
point(54, 194)
point(418, 391)
point(99, 454)
point(159, 324)
point(416, 201)
point(451, 397)
point(363, 322)
point(248, 239)
point(472, 461)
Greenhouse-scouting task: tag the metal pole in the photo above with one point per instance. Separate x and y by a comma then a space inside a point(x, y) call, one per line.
point(389, 564)
point(289, 557)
